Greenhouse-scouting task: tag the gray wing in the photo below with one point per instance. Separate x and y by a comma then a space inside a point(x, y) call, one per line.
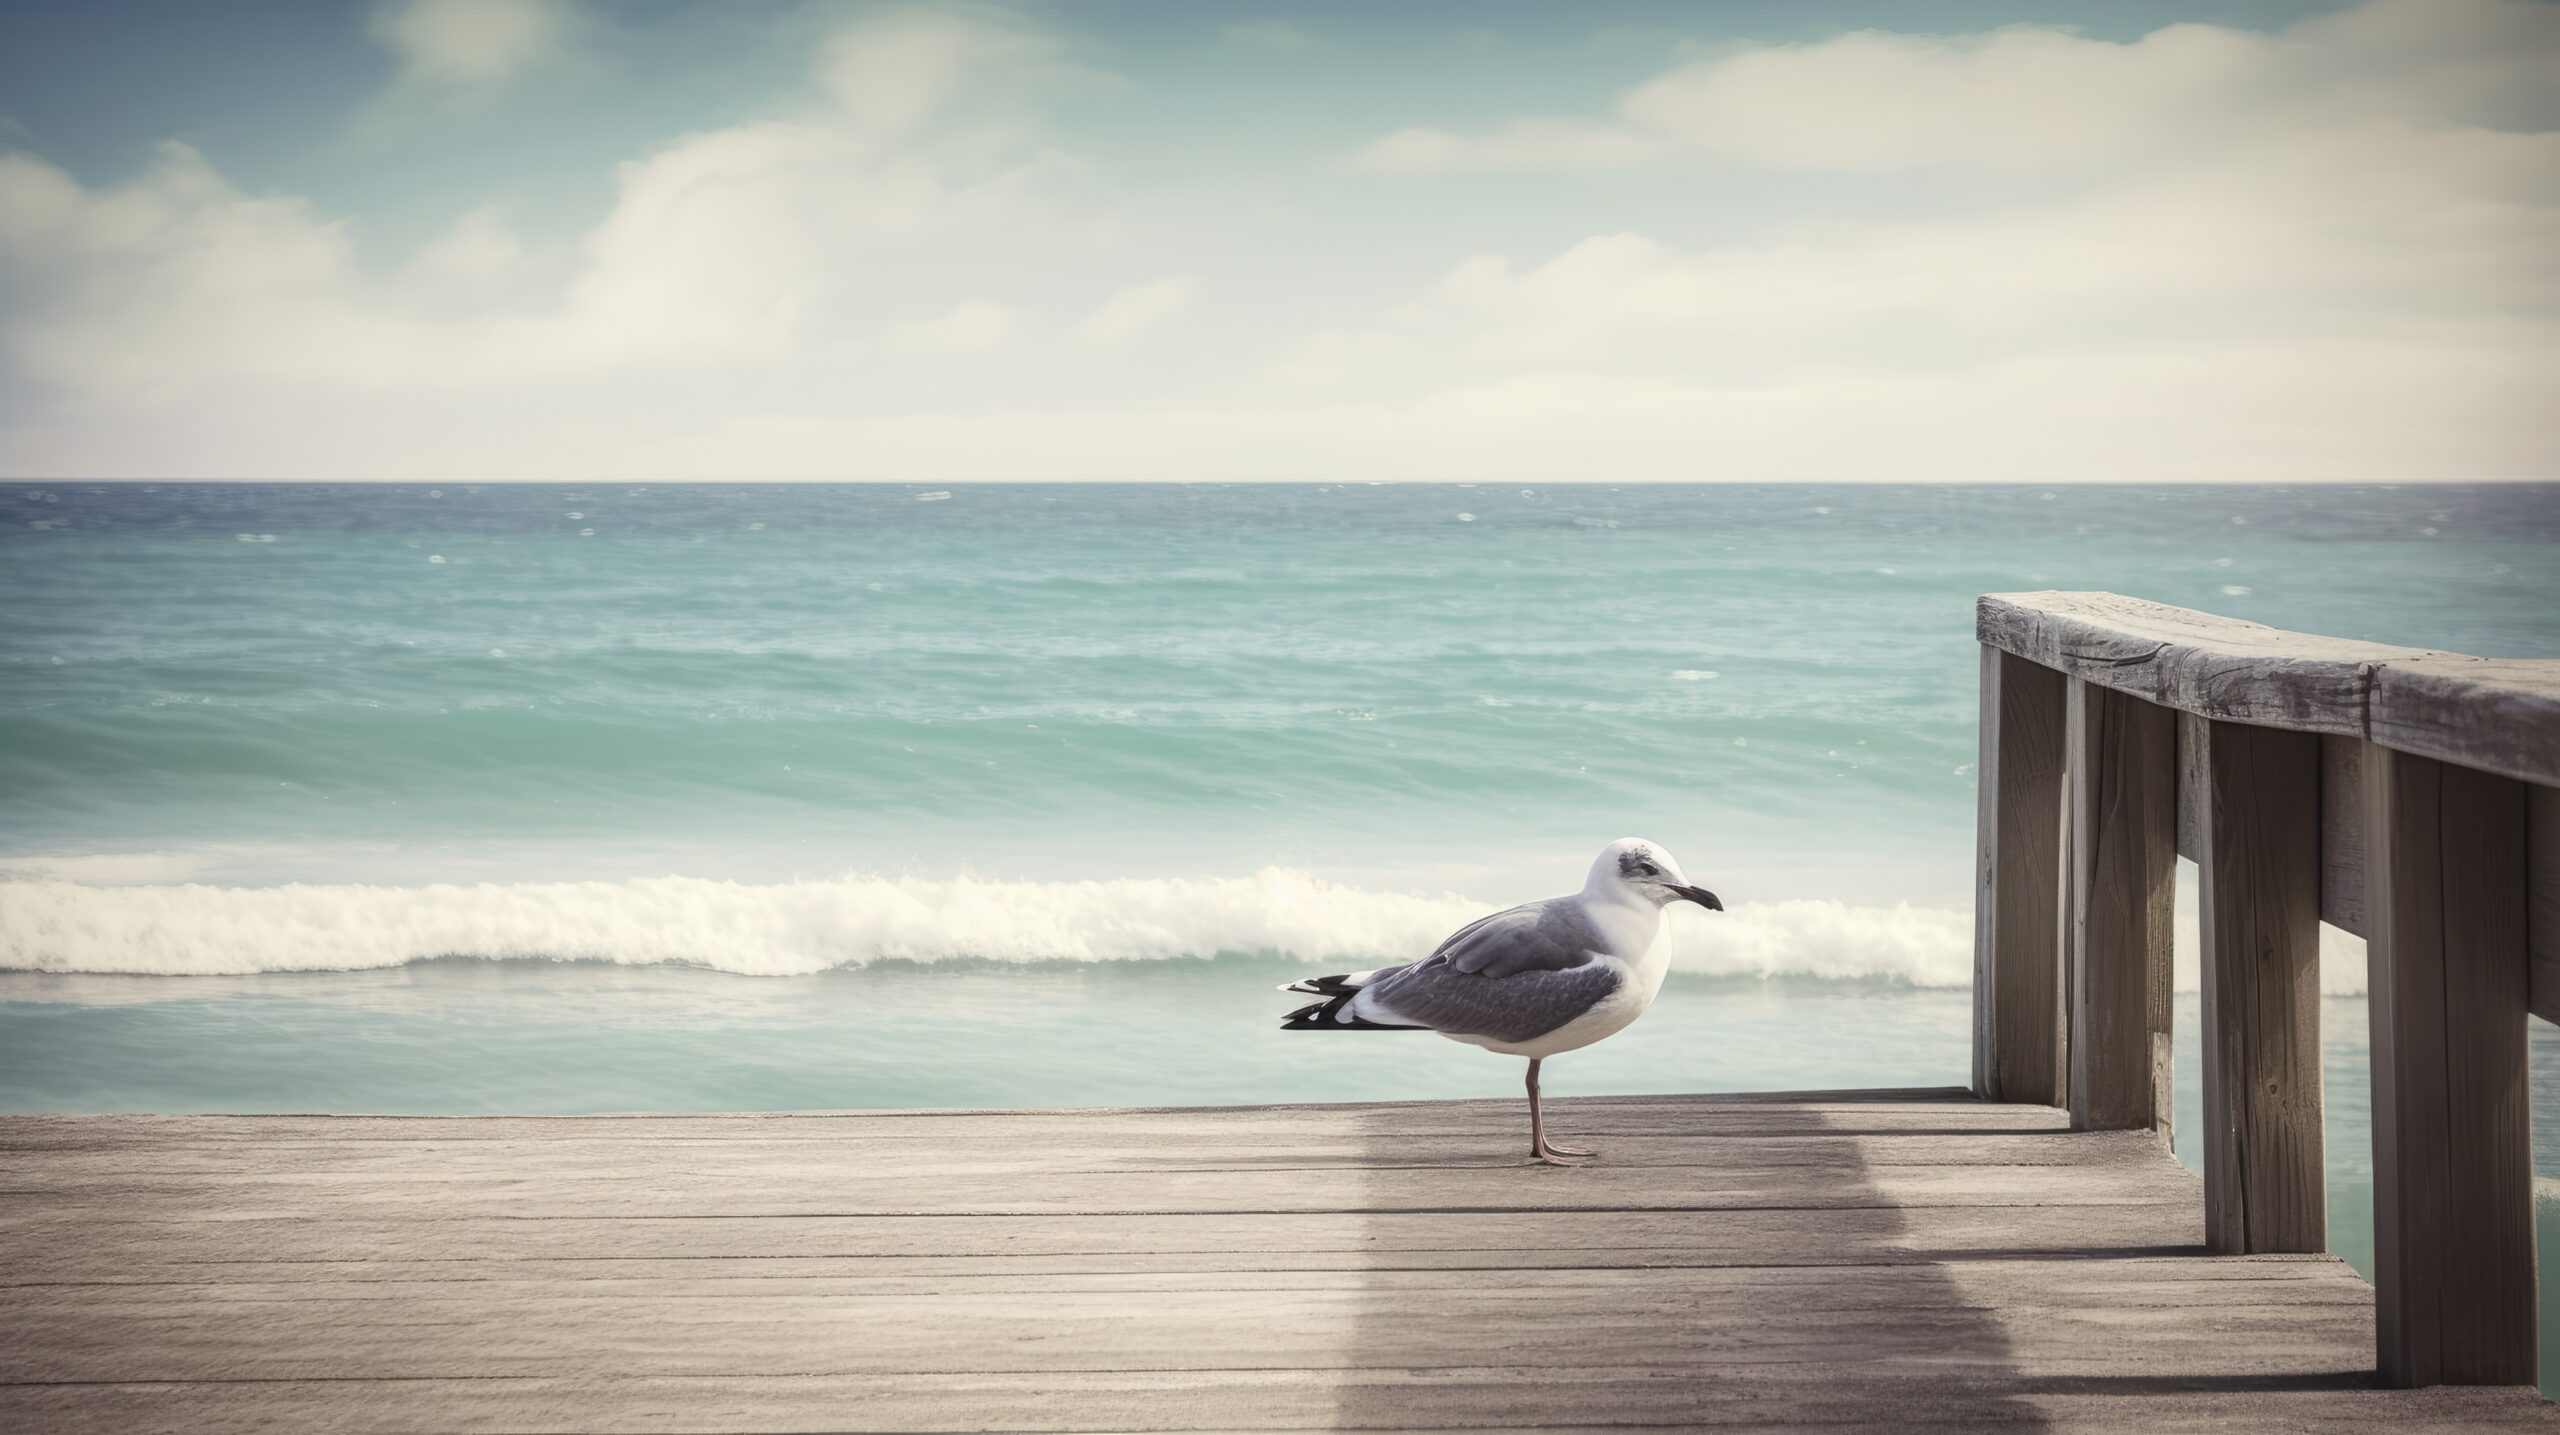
point(1543, 936)
point(1511, 976)
point(1512, 1008)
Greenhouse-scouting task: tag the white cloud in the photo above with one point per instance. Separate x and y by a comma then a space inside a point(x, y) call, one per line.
point(722, 247)
point(470, 44)
point(2314, 254)
point(899, 69)
point(2024, 96)
point(2368, 309)
point(2366, 235)
point(973, 327)
point(1132, 311)
point(2206, 253)
point(479, 250)
point(2030, 97)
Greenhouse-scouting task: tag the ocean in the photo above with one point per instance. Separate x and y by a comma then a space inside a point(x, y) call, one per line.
point(697, 797)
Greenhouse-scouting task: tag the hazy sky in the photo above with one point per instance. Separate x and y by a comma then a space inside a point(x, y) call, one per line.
point(494, 239)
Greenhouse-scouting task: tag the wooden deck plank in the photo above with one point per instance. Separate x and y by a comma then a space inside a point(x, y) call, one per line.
point(1922, 1399)
point(1872, 1235)
point(1829, 1261)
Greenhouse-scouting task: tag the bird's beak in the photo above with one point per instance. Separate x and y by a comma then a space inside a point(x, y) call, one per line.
point(1699, 895)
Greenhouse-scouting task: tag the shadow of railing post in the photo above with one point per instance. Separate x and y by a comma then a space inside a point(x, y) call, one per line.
point(1723, 1261)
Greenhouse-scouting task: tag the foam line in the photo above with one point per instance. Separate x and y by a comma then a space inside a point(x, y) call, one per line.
point(793, 928)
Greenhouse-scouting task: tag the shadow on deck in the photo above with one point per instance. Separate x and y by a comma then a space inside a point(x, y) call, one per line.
point(1887, 1260)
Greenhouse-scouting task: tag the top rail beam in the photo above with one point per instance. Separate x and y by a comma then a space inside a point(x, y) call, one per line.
point(2499, 715)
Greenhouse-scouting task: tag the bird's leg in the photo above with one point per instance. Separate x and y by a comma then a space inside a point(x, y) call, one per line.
point(1538, 1147)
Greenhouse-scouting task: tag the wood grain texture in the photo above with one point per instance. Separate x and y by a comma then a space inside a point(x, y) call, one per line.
point(2213, 666)
point(1944, 1399)
point(2342, 833)
point(2542, 890)
point(2122, 763)
point(2453, 1217)
point(2257, 817)
point(2501, 715)
point(2194, 795)
point(1376, 1266)
point(2018, 1010)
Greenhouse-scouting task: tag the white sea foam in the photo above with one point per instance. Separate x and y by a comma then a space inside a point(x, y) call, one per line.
point(786, 928)
point(792, 928)
point(1925, 946)
point(758, 929)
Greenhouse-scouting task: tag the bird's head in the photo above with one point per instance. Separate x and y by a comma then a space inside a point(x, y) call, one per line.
point(1632, 869)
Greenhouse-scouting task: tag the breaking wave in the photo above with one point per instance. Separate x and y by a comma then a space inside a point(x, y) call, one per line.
point(793, 928)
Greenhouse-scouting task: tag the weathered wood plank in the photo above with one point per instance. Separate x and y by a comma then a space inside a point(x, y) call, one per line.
point(2213, 666)
point(1910, 1398)
point(2499, 715)
point(679, 1327)
point(1138, 1134)
point(242, 1273)
point(1812, 1112)
point(2123, 845)
point(319, 1167)
point(67, 1251)
point(2542, 890)
point(2258, 838)
point(2194, 789)
point(2342, 833)
point(2018, 1052)
point(875, 1195)
point(2136, 1279)
point(1658, 1324)
point(2453, 1217)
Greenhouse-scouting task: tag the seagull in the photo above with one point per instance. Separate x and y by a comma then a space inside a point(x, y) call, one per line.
point(1534, 980)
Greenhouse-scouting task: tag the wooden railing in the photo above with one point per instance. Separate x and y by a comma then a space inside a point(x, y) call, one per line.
point(2409, 796)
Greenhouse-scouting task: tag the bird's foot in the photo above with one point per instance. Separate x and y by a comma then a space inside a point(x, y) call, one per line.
point(1562, 1155)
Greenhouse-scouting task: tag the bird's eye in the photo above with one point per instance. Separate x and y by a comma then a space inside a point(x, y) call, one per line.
point(1647, 869)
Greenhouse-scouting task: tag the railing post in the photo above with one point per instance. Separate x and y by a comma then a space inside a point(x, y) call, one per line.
point(2017, 1007)
point(2452, 1144)
point(2122, 756)
point(2257, 839)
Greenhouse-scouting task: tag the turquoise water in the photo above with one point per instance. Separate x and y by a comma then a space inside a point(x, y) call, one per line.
point(1420, 688)
point(792, 728)
point(789, 797)
point(473, 1036)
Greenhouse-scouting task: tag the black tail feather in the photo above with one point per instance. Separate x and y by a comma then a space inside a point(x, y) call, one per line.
point(1333, 986)
point(1328, 1015)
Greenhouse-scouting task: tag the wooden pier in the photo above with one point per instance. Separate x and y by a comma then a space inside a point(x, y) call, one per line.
point(2023, 1254)
point(1908, 1261)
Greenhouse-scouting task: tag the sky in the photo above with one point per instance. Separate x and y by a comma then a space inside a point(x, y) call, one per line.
point(486, 240)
